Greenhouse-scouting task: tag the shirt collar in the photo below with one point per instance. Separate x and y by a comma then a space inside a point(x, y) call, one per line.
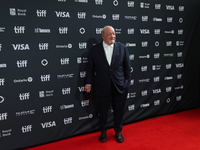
point(106, 45)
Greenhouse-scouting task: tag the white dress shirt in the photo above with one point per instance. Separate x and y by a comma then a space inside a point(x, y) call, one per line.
point(108, 51)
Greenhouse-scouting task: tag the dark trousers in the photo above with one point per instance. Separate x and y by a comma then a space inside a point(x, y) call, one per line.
point(118, 102)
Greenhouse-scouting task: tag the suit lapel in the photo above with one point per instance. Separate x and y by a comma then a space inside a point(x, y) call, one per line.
point(114, 54)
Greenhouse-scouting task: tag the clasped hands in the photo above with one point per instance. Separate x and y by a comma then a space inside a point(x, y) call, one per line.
point(88, 88)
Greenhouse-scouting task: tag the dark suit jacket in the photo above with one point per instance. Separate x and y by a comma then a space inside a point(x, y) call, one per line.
point(118, 73)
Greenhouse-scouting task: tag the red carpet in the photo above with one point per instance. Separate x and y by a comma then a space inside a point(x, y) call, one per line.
point(179, 131)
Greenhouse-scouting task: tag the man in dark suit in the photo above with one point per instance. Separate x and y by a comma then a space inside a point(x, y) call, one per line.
point(109, 67)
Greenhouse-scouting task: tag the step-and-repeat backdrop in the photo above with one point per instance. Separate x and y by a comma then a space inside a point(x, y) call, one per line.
point(43, 54)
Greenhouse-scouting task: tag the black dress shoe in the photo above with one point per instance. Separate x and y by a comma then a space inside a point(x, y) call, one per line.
point(103, 137)
point(119, 137)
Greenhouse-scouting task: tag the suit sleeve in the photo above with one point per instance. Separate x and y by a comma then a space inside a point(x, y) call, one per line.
point(127, 66)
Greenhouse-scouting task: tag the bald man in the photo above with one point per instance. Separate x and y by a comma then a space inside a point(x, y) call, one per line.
point(109, 67)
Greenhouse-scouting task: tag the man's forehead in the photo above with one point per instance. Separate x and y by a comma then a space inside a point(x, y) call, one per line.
point(109, 30)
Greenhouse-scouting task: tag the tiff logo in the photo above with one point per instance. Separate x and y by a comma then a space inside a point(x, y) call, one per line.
point(143, 68)
point(179, 54)
point(144, 93)
point(82, 45)
point(157, 102)
point(99, 2)
point(168, 43)
point(19, 29)
point(2, 81)
point(47, 109)
point(179, 76)
point(26, 129)
point(145, 18)
point(64, 61)
point(41, 13)
point(169, 19)
point(178, 98)
point(156, 79)
point(156, 55)
point(98, 30)
point(81, 15)
point(144, 43)
point(3, 116)
point(43, 46)
point(157, 6)
point(22, 63)
point(130, 31)
point(24, 96)
point(168, 89)
point(45, 78)
point(181, 8)
point(168, 66)
point(131, 107)
point(63, 30)
point(115, 16)
point(156, 31)
point(130, 3)
point(66, 91)
point(68, 120)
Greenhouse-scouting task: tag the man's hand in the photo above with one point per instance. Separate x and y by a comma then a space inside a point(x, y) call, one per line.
point(88, 88)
